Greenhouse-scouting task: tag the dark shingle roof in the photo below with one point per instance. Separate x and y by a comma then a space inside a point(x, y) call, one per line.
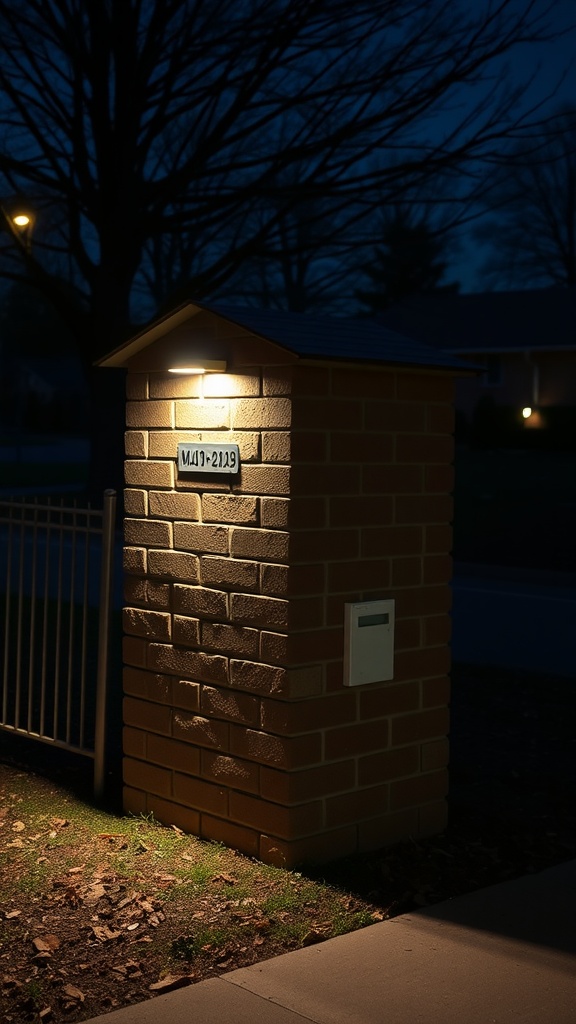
point(336, 338)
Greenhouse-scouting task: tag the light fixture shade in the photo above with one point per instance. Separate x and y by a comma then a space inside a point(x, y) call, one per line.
point(201, 366)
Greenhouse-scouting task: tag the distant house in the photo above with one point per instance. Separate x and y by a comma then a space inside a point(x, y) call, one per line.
point(526, 340)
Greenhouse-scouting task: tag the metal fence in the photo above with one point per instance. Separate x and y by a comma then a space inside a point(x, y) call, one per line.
point(56, 579)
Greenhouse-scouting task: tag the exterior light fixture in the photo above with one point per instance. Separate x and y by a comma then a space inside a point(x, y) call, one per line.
point(207, 366)
point(21, 220)
point(526, 412)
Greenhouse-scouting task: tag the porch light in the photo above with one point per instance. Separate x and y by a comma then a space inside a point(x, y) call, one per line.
point(527, 412)
point(207, 366)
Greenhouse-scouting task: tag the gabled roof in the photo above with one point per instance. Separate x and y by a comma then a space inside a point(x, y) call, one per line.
point(311, 337)
point(542, 319)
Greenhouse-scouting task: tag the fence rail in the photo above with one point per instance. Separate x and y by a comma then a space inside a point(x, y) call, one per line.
point(56, 577)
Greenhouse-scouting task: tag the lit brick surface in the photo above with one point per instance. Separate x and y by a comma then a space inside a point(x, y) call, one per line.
point(237, 723)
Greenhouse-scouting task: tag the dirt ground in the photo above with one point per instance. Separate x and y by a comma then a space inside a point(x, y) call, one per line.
point(98, 911)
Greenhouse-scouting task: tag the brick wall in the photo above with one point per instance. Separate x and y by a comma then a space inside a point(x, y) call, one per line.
point(237, 724)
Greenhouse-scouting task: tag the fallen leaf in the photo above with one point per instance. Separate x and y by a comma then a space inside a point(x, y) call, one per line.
point(73, 992)
point(59, 822)
point(19, 843)
point(46, 943)
point(228, 879)
point(11, 914)
point(312, 937)
point(171, 982)
point(18, 826)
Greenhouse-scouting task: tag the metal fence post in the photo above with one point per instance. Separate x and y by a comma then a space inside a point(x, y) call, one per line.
point(106, 583)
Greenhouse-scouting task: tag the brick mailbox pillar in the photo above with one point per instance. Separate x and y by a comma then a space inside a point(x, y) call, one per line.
point(238, 725)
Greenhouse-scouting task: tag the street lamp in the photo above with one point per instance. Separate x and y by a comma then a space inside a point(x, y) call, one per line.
point(20, 224)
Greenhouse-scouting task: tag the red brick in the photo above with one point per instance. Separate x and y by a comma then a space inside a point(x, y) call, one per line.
point(147, 685)
point(437, 630)
point(186, 694)
point(207, 668)
point(144, 715)
point(286, 822)
point(170, 813)
point(201, 538)
point(424, 448)
point(387, 765)
point(295, 787)
point(440, 418)
point(435, 692)
point(277, 751)
point(274, 513)
point(434, 755)
point(271, 612)
point(229, 573)
point(309, 446)
point(229, 508)
point(199, 795)
point(438, 539)
point(200, 731)
point(168, 505)
point(437, 569)
point(363, 574)
point(230, 771)
point(319, 545)
point(173, 565)
point(390, 479)
point(147, 777)
point(269, 479)
point(237, 837)
point(230, 640)
point(186, 631)
point(439, 479)
point(326, 413)
point(395, 416)
point(200, 601)
point(364, 383)
point(260, 413)
point(270, 545)
point(257, 678)
point(134, 801)
point(289, 718)
point(172, 754)
point(213, 414)
point(419, 789)
point(315, 849)
point(228, 704)
point(390, 699)
point(358, 511)
point(306, 512)
point(134, 651)
point(306, 613)
point(135, 560)
point(391, 540)
point(407, 634)
point(325, 479)
point(353, 807)
point(156, 625)
point(357, 447)
point(420, 726)
point(353, 739)
point(406, 572)
point(425, 509)
point(430, 387)
point(134, 743)
point(147, 592)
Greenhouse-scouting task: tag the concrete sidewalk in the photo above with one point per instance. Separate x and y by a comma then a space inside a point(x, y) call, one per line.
point(503, 954)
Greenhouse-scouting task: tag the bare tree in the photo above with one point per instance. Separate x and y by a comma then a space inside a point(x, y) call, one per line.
point(530, 229)
point(136, 127)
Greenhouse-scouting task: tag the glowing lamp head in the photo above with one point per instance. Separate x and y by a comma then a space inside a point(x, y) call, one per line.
point(21, 220)
point(526, 412)
point(206, 366)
